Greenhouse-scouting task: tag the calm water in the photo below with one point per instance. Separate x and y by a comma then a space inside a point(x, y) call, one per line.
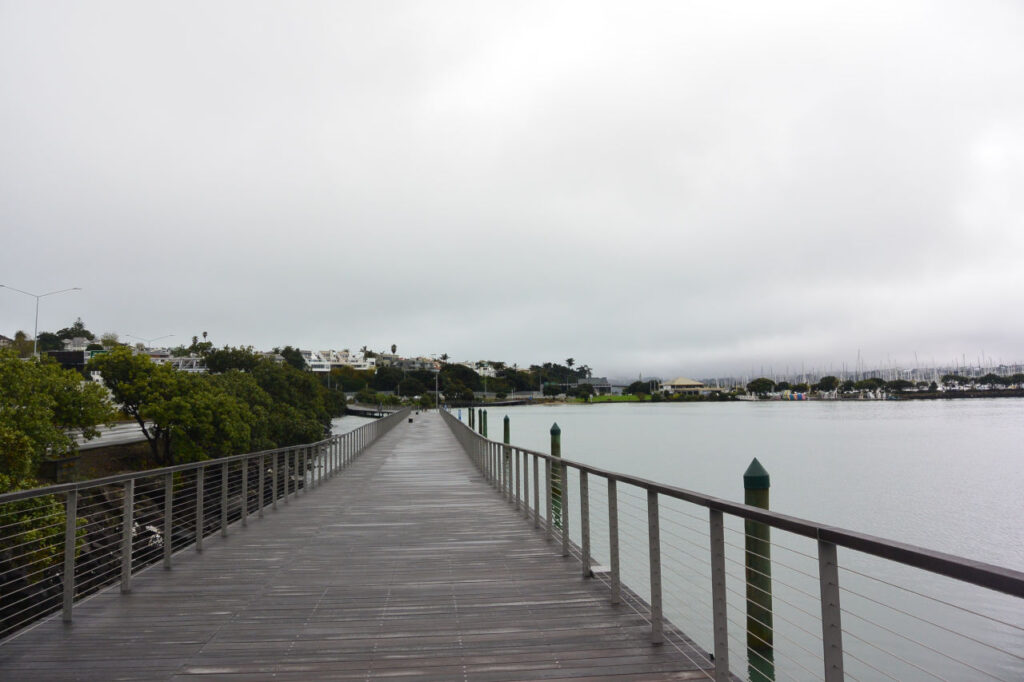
point(945, 475)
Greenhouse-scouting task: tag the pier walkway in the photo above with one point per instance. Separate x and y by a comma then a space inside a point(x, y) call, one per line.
point(406, 565)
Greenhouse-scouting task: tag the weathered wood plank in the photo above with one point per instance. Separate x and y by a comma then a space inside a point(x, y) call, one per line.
point(405, 566)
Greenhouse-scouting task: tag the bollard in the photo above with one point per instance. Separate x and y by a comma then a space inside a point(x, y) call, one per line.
point(760, 643)
point(555, 479)
point(507, 459)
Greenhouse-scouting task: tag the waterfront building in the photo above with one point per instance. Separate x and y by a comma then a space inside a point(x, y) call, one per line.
point(681, 385)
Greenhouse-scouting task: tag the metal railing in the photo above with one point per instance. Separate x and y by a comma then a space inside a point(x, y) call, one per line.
point(64, 542)
point(683, 560)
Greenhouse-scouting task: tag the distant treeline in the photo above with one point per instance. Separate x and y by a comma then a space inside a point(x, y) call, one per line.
point(947, 383)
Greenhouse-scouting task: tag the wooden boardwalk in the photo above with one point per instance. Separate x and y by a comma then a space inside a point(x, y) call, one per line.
point(406, 565)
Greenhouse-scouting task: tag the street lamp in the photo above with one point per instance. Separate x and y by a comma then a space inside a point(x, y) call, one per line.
point(35, 332)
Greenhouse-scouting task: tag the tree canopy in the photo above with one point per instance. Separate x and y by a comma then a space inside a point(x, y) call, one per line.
point(247, 403)
point(761, 386)
point(40, 403)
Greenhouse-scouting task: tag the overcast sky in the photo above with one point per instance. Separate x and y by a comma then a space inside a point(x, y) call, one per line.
point(676, 188)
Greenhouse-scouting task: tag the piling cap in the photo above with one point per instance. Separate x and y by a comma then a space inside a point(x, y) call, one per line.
point(506, 419)
point(756, 477)
point(555, 431)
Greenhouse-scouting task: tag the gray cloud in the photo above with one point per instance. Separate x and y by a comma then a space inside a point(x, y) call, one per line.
point(677, 188)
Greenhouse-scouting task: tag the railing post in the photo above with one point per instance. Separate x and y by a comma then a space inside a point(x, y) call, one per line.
point(70, 537)
point(555, 482)
point(585, 524)
point(523, 459)
point(168, 519)
point(517, 456)
point(261, 476)
point(245, 490)
point(613, 540)
point(536, 492)
point(506, 461)
point(127, 522)
point(565, 509)
point(485, 460)
point(224, 500)
point(303, 472)
point(495, 465)
point(760, 640)
point(485, 451)
point(273, 481)
point(654, 547)
point(719, 606)
point(286, 475)
point(200, 482)
point(550, 502)
point(831, 614)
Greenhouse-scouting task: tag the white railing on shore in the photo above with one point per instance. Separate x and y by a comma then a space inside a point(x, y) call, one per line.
point(63, 542)
point(682, 559)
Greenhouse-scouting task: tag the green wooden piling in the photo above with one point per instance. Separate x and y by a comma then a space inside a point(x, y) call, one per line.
point(483, 422)
point(760, 640)
point(556, 476)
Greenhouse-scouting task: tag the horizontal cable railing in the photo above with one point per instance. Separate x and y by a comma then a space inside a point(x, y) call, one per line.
point(61, 543)
point(747, 603)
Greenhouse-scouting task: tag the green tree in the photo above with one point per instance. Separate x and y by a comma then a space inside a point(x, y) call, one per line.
point(413, 387)
point(228, 358)
point(202, 420)
point(585, 391)
point(639, 388)
point(463, 375)
point(22, 344)
point(293, 356)
point(900, 385)
point(40, 403)
point(49, 341)
point(829, 383)
point(761, 386)
point(77, 330)
point(144, 390)
point(870, 384)
point(386, 379)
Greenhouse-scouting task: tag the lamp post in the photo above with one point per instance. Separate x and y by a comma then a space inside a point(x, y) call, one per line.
point(35, 331)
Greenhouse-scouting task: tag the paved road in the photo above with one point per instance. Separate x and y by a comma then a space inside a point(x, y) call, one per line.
point(124, 432)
